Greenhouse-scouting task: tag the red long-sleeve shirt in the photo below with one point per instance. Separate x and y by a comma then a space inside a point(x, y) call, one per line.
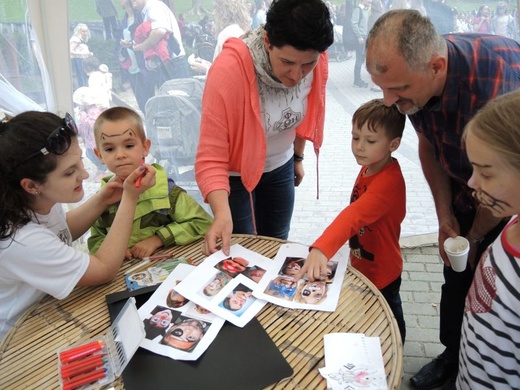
point(372, 225)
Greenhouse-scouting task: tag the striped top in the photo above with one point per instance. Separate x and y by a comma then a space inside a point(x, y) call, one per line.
point(490, 344)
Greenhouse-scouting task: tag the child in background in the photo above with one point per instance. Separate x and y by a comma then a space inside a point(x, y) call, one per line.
point(87, 108)
point(489, 354)
point(166, 215)
point(158, 53)
point(372, 221)
point(99, 80)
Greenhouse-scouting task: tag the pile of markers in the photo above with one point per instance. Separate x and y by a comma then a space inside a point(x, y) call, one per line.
point(83, 365)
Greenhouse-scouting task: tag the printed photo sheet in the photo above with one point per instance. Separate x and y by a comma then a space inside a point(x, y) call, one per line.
point(353, 361)
point(279, 286)
point(142, 276)
point(224, 284)
point(176, 327)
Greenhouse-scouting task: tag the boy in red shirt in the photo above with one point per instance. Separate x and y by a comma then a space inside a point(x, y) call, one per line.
point(372, 221)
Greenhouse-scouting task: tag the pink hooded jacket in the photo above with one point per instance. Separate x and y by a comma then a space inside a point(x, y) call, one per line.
point(232, 136)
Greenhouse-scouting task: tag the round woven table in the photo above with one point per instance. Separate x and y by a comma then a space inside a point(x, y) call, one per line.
point(28, 357)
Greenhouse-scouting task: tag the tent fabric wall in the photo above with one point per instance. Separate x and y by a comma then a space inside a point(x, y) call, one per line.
point(50, 21)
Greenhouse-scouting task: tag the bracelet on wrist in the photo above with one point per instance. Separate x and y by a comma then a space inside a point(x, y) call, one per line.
point(297, 157)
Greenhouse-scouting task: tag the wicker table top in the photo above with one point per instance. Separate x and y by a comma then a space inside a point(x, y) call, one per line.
point(28, 352)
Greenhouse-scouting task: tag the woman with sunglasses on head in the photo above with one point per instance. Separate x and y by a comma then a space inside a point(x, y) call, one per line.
point(40, 168)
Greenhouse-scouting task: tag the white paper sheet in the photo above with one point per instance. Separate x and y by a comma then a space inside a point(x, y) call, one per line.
point(279, 287)
point(174, 326)
point(224, 284)
point(353, 361)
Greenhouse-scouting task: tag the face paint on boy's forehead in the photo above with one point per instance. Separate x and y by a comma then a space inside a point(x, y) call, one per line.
point(130, 132)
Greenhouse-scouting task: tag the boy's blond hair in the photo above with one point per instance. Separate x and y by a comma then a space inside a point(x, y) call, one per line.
point(379, 117)
point(116, 114)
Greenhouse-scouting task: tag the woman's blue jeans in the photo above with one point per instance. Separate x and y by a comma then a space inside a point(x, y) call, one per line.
point(273, 200)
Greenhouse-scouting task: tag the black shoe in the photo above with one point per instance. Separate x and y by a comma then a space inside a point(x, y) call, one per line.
point(361, 84)
point(451, 384)
point(434, 374)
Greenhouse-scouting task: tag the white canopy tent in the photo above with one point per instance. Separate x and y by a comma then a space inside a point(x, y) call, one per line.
point(47, 24)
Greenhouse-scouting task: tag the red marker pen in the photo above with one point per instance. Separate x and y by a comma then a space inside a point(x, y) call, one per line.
point(84, 379)
point(140, 178)
point(81, 351)
point(82, 366)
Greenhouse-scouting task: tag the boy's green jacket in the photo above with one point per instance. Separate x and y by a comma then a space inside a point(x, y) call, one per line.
point(165, 210)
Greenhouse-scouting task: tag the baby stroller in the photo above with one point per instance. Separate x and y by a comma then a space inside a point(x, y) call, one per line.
point(172, 120)
point(337, 49)
point(202, 43)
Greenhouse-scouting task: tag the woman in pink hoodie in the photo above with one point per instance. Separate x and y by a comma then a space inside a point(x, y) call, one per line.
point(264, 97)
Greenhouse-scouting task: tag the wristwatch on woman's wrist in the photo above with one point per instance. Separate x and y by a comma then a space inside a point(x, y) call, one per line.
point(297, 157)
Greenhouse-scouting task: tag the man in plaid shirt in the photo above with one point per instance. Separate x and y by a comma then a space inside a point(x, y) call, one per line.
point(440, 82)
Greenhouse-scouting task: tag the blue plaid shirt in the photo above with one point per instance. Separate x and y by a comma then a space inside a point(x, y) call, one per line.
point(480, 67)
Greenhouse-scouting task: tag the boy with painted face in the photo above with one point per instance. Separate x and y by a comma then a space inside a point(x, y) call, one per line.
point(166, 215)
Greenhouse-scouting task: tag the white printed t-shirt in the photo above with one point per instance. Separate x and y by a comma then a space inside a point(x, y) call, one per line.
point(38, 261)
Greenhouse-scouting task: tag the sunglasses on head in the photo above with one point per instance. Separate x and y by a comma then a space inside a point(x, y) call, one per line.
point(58, 142)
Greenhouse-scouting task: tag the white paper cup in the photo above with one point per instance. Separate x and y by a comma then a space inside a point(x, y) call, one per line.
point(457, 250)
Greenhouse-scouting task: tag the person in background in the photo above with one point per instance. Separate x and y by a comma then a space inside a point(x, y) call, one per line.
point(165, 215)
point(132, 62)
point(489, 351)
point(376, 10)
point(88, 106)
point(231, 20)
point(163, 26)
point(79, 50)
point(360, 27)
point(503, 23)
point(482, 21)
point(259, 13)
point(372, 222)
point(41, 170)
point(440, 84)
point(441, 15)
point(263, 98)
point(99, 80)
point(107, 11)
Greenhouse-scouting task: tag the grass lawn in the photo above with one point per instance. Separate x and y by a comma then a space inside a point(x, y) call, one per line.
point(85, 10)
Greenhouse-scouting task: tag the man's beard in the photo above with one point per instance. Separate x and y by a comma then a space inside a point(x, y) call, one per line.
point(410, 111)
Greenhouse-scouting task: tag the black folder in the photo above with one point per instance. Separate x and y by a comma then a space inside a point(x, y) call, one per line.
point(239, 358)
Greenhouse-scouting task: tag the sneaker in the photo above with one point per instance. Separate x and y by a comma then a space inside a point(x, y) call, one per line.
point(361, 84)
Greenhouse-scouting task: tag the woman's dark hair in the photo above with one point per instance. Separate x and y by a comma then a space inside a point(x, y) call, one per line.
point(20, 137)
point(303, 24)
